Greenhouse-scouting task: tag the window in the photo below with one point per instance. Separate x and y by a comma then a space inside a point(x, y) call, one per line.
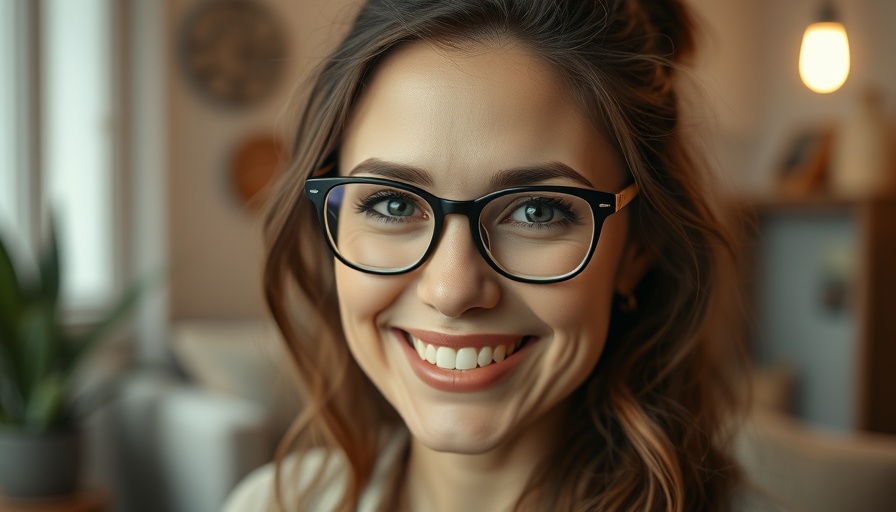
point(76, 132)
point(59, 100)
point(9, 112)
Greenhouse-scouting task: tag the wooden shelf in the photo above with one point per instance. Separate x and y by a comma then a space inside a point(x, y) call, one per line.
point(84, 501)
point(811, 203)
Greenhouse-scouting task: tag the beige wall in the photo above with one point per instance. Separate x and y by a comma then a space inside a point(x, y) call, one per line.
point(724, 104)
point(750, 99)
point(786, 104)
point(215, 245)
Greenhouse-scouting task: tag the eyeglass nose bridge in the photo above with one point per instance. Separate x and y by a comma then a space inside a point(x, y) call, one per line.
point(472, 211)
point(466, 208)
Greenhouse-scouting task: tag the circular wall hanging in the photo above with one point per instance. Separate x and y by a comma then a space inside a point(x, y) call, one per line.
point(232, 51)
point(255, 166)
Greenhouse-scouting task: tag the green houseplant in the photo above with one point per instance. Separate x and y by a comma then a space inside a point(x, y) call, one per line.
point(39, 435)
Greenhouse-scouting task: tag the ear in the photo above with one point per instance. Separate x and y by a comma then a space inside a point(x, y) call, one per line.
point(636, 261)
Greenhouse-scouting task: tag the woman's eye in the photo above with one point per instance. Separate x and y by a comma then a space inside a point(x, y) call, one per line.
point(395, 207)
point(543, 212)
point(534, 213)
point(392, 206)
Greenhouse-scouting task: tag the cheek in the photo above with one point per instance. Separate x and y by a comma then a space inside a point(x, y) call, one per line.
point(582, 302)
point(579, 319)
point(578, 311)
point(364, 300)
point(363, 296)
point(586, 299)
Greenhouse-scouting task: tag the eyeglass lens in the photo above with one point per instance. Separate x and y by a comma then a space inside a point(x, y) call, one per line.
point(528, 234)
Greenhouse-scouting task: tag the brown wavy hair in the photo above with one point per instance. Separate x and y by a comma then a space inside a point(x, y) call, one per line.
point(648, 427)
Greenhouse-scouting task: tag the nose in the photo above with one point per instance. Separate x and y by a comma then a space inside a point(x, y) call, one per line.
point(456, 279)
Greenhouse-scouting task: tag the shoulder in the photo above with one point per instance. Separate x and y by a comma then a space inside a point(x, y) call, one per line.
point(255, 493)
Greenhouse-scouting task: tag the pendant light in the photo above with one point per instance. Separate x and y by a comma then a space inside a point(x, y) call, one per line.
point(824, 54)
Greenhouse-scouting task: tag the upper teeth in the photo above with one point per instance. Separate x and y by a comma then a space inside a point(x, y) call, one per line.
point(465, 358)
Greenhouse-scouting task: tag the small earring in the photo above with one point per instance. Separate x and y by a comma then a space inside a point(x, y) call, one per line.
point(630, 304)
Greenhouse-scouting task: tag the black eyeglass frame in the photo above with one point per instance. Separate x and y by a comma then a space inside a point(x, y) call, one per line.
point(603, 204)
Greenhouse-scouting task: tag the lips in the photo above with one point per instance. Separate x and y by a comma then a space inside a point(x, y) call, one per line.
point(461, 362)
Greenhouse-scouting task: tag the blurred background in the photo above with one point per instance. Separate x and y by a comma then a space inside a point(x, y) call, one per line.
point(152, 127)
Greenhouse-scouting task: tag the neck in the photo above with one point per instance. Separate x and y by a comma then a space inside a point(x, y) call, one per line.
point(489, 481)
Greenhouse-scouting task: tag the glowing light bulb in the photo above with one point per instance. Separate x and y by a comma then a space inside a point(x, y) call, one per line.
point(824, 57)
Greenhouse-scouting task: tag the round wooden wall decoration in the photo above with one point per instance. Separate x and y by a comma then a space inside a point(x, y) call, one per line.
point(232, 51)
point(256, 165)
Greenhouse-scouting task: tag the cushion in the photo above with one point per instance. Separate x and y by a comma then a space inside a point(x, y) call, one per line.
point(818, 470)
point(242, 358)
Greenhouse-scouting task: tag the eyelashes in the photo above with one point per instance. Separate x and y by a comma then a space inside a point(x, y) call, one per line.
point(390, 206)
point(541, 212)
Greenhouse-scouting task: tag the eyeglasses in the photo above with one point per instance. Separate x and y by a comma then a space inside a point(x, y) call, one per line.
point(532, 234)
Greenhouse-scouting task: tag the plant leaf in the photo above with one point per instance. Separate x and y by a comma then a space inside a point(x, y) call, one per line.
point(93, 398)
point(49, 267)
point(45, 403)
point(81, 346)
point(39, 345)
point(12, 403)
point(9, 395)
point(10, 296)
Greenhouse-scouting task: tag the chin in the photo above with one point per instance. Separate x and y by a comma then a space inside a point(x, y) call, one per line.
point(459, 429)
point(462, 443)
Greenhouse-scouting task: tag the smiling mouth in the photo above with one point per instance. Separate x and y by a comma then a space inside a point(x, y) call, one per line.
point(463, 358)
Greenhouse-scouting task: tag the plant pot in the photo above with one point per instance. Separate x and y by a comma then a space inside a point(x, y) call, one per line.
point(34, 465)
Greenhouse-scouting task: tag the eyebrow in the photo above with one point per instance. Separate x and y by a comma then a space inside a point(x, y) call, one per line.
point(519, 176)
point(391, 170)
point(535, 174)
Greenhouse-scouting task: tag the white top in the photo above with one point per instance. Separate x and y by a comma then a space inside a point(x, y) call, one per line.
point(256, 492)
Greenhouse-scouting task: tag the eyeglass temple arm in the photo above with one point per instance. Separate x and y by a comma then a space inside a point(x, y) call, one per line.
point(626, 196)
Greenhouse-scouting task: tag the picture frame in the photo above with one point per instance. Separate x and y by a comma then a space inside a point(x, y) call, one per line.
point(803, 165)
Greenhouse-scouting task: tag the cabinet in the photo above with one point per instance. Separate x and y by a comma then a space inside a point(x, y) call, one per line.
point(823, 298)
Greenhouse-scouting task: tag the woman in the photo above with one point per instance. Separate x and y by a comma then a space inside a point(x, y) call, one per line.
point(510, 259)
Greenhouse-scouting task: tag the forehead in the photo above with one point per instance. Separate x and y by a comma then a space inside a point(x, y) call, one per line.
point(462, 115)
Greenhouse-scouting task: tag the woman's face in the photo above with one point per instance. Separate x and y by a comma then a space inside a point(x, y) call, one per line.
point(462, 118)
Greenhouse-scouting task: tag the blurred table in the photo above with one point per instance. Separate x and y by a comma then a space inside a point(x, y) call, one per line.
point(84, 501)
